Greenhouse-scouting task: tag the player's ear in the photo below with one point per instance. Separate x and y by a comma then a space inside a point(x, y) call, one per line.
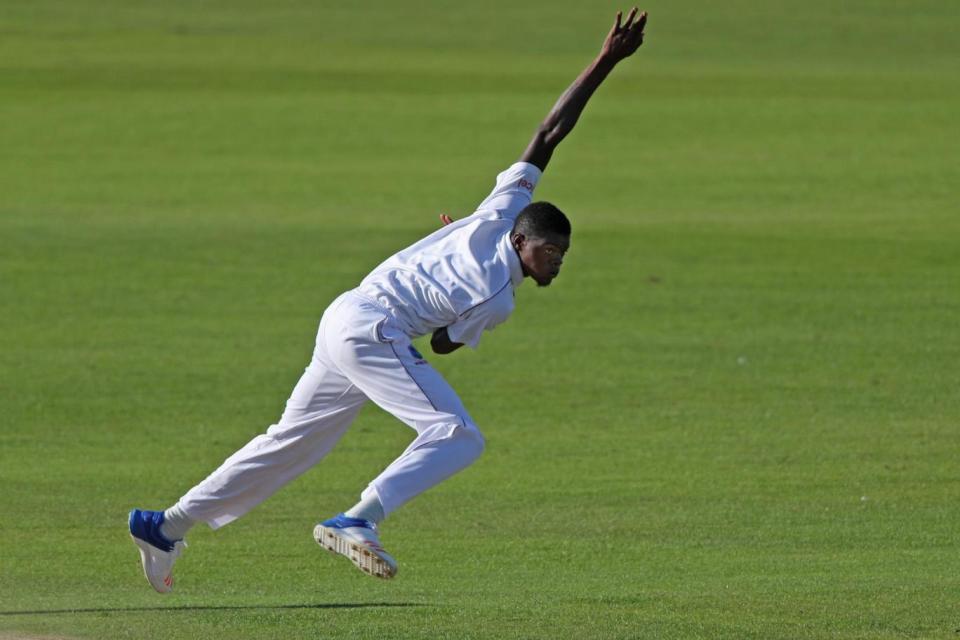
point(518, 240)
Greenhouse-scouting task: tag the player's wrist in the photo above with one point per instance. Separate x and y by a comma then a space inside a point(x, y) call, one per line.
point(605, 62)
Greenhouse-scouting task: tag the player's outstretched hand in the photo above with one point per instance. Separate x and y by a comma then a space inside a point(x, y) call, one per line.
point(624, 38)
point(445, 219)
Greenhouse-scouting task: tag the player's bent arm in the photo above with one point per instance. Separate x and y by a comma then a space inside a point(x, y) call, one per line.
point(620, 43)
point(441, 343)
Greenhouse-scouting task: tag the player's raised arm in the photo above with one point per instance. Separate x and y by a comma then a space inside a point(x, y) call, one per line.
point(624, 38)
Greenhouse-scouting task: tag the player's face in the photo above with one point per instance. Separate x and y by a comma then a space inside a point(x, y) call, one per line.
point(542, 257)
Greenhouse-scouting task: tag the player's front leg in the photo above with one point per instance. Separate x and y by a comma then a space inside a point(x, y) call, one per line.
point(395, 376)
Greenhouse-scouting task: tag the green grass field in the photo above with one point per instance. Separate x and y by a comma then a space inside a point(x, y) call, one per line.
point(735, 415)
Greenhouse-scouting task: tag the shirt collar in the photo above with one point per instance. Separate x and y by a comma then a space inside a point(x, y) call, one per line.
point(509, 254)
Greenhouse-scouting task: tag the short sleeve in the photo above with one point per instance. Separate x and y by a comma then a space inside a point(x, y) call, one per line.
point(484, 317)
point(513, 191)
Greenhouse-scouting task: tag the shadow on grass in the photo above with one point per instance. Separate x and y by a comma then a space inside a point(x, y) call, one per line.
point(241, 607)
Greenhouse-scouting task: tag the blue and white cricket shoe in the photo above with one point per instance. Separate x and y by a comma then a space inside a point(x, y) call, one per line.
point(157, 553)
point(357, 540)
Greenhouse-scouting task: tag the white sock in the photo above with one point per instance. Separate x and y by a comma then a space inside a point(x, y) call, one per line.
point(368, 508)
point(176, 523)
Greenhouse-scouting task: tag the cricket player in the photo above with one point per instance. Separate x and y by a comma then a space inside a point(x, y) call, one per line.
point(454, 284)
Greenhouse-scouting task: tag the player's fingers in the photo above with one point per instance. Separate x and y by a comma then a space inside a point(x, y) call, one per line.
point(641, 22)
point(445, 219)
point(616, 25)
point(636, 33)
point(630, 17)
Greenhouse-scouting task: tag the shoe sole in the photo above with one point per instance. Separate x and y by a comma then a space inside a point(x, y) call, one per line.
point(365, 559)
point(160, 586)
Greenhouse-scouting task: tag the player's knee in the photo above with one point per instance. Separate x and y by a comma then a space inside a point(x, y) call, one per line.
point(473, 442)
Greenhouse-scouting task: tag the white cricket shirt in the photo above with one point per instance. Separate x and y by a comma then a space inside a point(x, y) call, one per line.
point(461, 276)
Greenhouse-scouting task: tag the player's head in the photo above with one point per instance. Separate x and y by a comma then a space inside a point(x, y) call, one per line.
point(541, 236)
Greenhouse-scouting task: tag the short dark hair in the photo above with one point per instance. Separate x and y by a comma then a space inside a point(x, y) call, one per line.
point(540, 219)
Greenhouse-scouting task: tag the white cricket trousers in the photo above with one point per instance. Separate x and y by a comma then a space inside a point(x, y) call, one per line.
point(361, 354)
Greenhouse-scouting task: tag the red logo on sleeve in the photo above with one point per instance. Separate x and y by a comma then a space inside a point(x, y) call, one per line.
point(526, 184)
